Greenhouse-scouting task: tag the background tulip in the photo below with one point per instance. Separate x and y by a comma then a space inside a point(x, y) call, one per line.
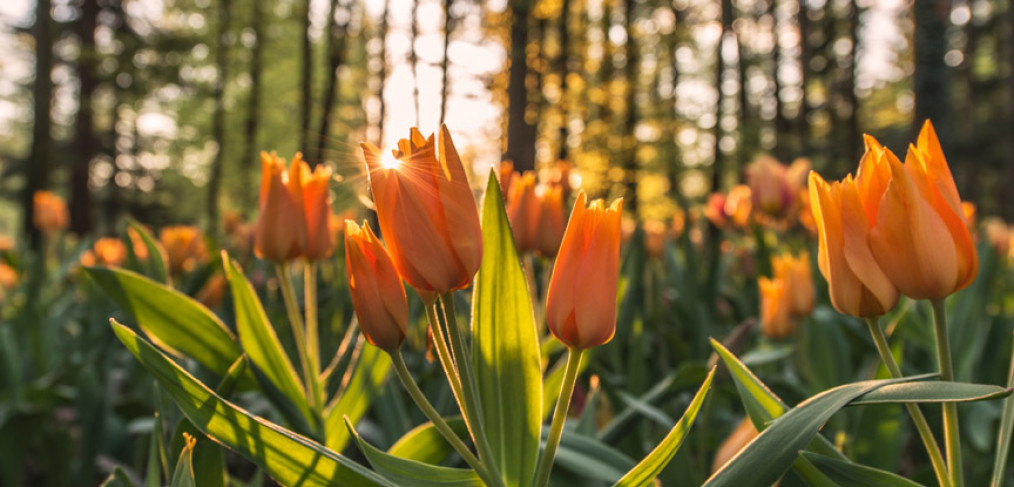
point(317, 210)
point(427, 212)
point(776, 321)
point(552, 222)
point(377, 293)
point(523, 211)
point(50, 212)
point(280, 234)
point(581, 302)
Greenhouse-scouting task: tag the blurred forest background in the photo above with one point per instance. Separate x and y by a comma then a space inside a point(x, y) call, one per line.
point(157, 109)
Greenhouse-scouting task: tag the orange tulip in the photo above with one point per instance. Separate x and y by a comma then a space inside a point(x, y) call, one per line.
point(317, 210)
point(920, 238)
point(213, 291)
point(968, 210)
point(8, 276)
point(6, 243)
point(110, 251)
point(997, 235)
point(776, 321)
point(50, 212)
point(769, 186)
point(184, 247)
point(137, 243)
point(655, 237)
point(506, 175)
point(377, 293)
point(581, 302)
point(857, 284)
point(281, 226)
point(552, 222)
point(523, 211)
point(427, 212)
point(795, 273)
point(736, 441)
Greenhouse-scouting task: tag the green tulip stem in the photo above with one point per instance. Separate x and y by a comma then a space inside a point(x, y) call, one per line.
point(312, 335)
point(438, 422)
point(296, 322)
point(925, 433)
point(559, 417)
point(952, 435)
point(443, 353)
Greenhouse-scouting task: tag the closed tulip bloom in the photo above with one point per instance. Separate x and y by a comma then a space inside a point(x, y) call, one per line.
point(49, 212)
point(857, 284)
point(280, 234)
point(799, 291)
point(317, 210)
point(581, 302)
point(377, 293)
point(110, 251)
point(776, 321)
point(552, 221)
point(523, 211)
point(184, 247)
point(920, 238)
point(769, 186)
point(427, 212)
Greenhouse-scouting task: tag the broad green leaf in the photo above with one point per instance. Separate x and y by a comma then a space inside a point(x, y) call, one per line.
point(769, 455)
point(425, 444)
point(118, 478)
point(646, 471)
point(289, 458)
point(156, 256)
point(175, 322)
point(402, 471)
point(368, 376)
point(589, 457)
point(855, 475)
point(1005, 431)
point(183, 476)
point(505, 348)
point(260, 342)
point(932, 391)
point(686, 374)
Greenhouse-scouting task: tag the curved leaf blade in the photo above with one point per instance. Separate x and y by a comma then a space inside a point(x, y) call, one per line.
point(289, 458)
point(368, 376)
point(425, 444)
point(505, 348)
point(855, 475)
point(652, 465)
point(932, 391)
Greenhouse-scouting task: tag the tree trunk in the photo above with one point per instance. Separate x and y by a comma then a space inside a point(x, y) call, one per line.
point(802, 123)
point(306, 81)
point(632, 68)
point(336, 55)
point(1009, 166)
point(931, 79)
point(718, 164)
point(674, 165)
point(249, 161)
point(854, 144)
point(84, 127)
point(42, 90)
point(520, 133)
point(780, 150)
point(218, 120)
point(445, 62)
point(564, 69)
point(413, 59)
point(383, 71)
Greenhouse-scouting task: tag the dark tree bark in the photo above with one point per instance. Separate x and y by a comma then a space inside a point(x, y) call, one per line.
point(718, 164)
point(1009, 166)
point(674, 165)
point(748, 130)
point(218, 120)
point(336, 55)
point(854, 145)
point(781, 122)
point(931, 78)
point(632, 70)
point(42, 90)
point(306, 81)
point(802, 123)
point(413, 59)
point(564, 69)
point(84, 126)
point(520, 133)
point(445, 61)
point(249, 161)
point(383, 71)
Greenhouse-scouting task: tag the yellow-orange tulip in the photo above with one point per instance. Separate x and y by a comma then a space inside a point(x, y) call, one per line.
point(317, 210)
point(776, 321)
point(110, 251)
point(581, 302)
point(523, 211)
point(552, 222)
point(920, 238)
point(50, 212)
point(184, 247)
point(427, 212)
point(281, 226)
point(377, 293)
point(8, 276)
point(736, 441)
point(969, 211)
point(857, 284)
point(506, 175)
point(795, 273)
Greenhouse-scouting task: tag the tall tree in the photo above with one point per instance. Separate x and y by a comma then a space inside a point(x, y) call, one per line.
point(249, 159)
point(781, 122)
point(218, 117)
point(336, 53)
point(84, 126)
point(445, 60)
point(564, 69)
point(383, 71)
point(306, 79)
point(674, 159)
point(38, 161)
point(632, 70)
point(520, 133)
point(413, 59)
point(931, 78)
point(718, 162)
point(802, 123)
point(853, 144)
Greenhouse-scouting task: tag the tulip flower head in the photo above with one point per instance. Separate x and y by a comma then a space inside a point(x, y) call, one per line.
point(552, 221)
point(427, 212)
point(795, 272)
point(49, 212)
point(769, 187)
point(109, 251)
point(281, 227)
point(184, 247)
point(776, 321)
point(377, 293)
point(581, 302)
point(317, 210)
point(523, 211)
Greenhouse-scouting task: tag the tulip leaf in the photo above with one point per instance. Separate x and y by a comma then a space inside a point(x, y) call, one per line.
point(505, 348)
point(118, 478)
point(156, 255)
point(177, 323)
point(403, 471)
point(260, 342)
point(369, 373)
point(590, 458)
point(932, 391)
point(855, 475)
point(425, 444)
point(289, 458)
point(652, 465)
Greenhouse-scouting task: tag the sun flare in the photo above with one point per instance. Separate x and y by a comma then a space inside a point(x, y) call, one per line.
point(388, 161)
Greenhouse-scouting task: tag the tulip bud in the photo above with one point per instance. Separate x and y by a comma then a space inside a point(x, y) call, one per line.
point(523, 211)
point(737, 440)
point(552, 222)
point(581, 302)
point(281, 227)
point(109, 251)
point(769, 186)
point(184, 247)
point(795, 273)
point(655, 237)
point(427, 212)
point(775, 320)
point(49, 212)
point(317, 209)
point(920, 238)
point(377, 293)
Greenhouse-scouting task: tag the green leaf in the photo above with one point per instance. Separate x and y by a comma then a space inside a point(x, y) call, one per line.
point(118, 478)
point(368, 376)
point(207, 458)
point(156, 256)
point(645, 471)
point(505, 348)
point(932, 391)
point(289, 458)
point(411, 472)
point(855, 475)
point(260, 342)
point(183, 476)
point(425, 444)
point(175, 322)
point(590, 458)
